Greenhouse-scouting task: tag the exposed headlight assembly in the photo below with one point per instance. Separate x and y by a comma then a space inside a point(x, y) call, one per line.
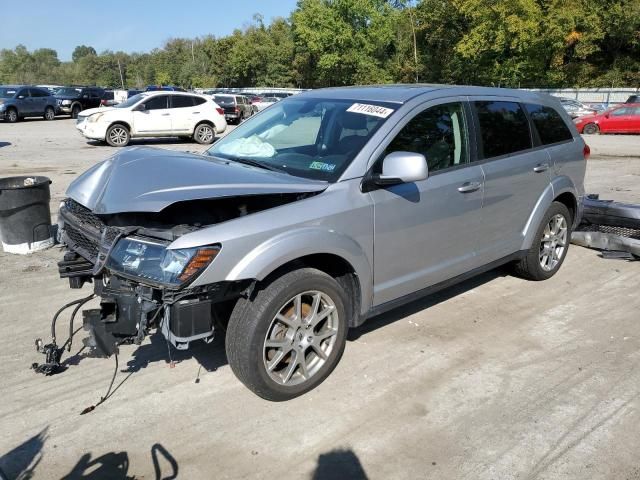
point(95, 117)
point(152, 261)
point(65, 102)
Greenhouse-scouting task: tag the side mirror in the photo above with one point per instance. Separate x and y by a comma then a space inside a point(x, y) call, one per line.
point(402, 167)
point(20, 97)
point(140, 108)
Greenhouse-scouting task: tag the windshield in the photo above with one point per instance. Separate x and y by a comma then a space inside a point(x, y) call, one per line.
point(7, 92)
point(68, 91)
point(130, 101)
point(311, 138)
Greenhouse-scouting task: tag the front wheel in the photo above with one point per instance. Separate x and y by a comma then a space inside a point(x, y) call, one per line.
point(204, 134)
point(590, 129)
point(288, 338)
point(117, 135)
point(549, 249)
point(12, 115)
point(75, 111)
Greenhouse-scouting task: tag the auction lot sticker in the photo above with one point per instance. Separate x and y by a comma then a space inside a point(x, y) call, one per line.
point(374, 110)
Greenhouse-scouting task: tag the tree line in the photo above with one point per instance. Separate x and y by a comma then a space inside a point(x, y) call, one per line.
point(516, 43)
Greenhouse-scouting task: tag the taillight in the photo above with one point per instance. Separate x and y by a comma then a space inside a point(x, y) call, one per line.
point(220, 110)
point(586, 151)
point(103, 102)
point(237, 110)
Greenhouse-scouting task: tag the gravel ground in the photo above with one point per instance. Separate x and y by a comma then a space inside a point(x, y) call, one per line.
point(495, 378)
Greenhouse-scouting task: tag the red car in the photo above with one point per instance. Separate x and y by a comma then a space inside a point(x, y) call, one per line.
point(622, 119)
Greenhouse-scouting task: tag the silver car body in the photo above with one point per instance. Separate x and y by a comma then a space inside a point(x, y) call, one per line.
point(400, 241)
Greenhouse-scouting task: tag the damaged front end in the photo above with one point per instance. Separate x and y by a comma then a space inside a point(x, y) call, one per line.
point(140, 282)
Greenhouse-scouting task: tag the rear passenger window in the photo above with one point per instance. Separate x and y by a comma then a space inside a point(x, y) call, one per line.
point(181, 101)
point(198, 100)
point(504, 128)
point(439, 133)
point(549, 124)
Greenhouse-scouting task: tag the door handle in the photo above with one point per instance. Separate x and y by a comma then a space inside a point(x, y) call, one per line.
point(166, 114)
point(543, 167)
point(195, 112)
point(469, 187)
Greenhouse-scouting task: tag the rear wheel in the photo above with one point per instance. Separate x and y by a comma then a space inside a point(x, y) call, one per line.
point(549, 249)
point(290, 336)
point(12, 115)
point(204, 134)
point(118, 135)
point(591, 129)
point(49, 113)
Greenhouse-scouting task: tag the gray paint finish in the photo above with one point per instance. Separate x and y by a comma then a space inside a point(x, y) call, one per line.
point(398, 239)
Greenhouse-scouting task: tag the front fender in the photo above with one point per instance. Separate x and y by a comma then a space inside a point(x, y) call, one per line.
point(289, 246)
point(557, 187)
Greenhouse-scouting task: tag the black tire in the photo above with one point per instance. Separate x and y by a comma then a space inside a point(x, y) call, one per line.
point(204, 134)
point(530, 266)
point(12, 115)
point(49, 113)
point(75, 111)
point(253, 319)
point(118, 135)
point(591, 129)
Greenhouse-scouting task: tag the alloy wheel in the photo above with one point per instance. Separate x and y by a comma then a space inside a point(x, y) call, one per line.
point(204, 134)
point(300, 338)
point(118, 136)
point(553, 242)
point(49, 114)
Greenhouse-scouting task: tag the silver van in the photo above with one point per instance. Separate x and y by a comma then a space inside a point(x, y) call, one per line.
point(323, 210)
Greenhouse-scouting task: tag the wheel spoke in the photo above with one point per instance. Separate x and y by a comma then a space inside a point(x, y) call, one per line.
point(319, 352)
point(275, 361)
point(321, 316)
point(276, 343)
point(288, 321)
point(297, 307)
point(288, 373)
point(326, 334)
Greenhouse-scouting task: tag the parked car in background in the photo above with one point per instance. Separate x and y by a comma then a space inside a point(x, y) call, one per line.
point(633, 99)
point(154, 114)
point(279, 95)
point(108, 99)
point(237, 108)
point(50, 88)
point(265, 102)
point(576, 109)
point(325, 210)
point(164, 88)
point(20, 101)
point(624, 118)
point(73, 100)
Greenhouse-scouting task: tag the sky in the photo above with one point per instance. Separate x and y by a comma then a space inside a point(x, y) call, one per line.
point(130, 26)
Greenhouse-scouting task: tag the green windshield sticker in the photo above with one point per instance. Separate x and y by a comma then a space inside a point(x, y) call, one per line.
point(325, 167)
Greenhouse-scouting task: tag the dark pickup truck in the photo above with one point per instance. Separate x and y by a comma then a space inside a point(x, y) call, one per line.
point(72, 100)
point(236, 107)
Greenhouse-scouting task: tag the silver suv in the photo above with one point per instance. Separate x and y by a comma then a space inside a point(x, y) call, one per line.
point(327, 208)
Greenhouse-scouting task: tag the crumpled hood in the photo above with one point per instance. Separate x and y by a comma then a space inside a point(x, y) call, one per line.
point(144, 179)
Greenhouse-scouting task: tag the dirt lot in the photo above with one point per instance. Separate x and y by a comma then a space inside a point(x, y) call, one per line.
point(496, 378)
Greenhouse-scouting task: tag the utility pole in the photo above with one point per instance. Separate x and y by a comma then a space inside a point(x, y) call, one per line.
point(415, 42)
point(121, 78)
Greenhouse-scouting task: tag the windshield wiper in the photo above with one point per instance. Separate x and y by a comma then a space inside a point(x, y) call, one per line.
point(255, 163)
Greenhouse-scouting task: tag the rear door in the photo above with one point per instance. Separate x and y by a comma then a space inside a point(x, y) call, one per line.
point(155, 119)
point(39, 98)
point(181, 113)
point(515, 174)
point(426, 232)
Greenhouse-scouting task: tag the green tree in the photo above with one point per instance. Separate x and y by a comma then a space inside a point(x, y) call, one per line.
point(82, 51)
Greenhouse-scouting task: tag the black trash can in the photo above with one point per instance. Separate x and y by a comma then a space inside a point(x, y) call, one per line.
point(25, 219)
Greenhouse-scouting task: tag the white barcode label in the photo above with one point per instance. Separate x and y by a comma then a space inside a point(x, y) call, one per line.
point(374, 110)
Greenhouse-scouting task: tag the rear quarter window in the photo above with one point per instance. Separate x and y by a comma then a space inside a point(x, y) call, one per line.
point(504, 128)
point(549, 124)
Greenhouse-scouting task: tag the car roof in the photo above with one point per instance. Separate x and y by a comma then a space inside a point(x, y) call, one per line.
point(402, 93)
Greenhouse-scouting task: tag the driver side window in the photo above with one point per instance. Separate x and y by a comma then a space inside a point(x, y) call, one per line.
point(156, 103)
point(439, 133)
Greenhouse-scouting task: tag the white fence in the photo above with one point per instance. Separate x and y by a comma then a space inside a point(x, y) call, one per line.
point(606, 96)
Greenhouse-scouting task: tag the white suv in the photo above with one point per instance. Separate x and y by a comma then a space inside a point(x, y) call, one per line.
point(154, 114)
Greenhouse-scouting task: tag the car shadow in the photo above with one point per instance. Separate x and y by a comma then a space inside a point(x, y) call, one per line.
point(210, 356)
point(425, 302)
